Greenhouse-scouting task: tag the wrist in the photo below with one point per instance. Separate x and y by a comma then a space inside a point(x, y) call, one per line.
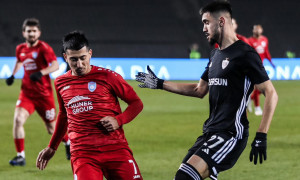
point(261, 135)
point(40, 73)
point(160, 83)
point(51, 147)
point(119, 120)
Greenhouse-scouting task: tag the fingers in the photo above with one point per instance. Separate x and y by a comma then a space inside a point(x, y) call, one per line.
point(107, 123)
point(143, 86)
point(41, 162)
point(150, 71)
point(260, 157)
point(255, 157)
point(141, 74)
point(140, 79)
point(251, 156)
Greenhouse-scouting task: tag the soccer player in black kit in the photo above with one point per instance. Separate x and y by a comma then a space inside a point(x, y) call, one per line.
point(230, 75)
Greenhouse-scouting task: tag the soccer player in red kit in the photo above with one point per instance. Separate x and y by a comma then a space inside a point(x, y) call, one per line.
point(261, 44)
point(240, 37)
point(90, 110)
point(38, 60)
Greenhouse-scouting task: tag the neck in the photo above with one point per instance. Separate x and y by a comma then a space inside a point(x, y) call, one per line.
point(257, 36)
point(32, 44)
point(226, 39)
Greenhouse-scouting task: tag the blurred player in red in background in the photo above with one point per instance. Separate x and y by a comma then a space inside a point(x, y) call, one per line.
point(261, 44)
point(90, 110)
point(240, 37)
point(38, 60)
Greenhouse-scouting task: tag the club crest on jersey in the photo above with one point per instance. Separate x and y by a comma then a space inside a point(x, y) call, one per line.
point(225, 63)
point(92, 86)
point(34, 55)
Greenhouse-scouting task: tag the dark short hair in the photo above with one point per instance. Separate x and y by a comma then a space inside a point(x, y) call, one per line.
point(75, 41)
point(31, 22)
point(217, 6)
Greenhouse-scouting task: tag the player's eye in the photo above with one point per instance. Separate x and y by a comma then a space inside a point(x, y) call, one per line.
point(73, 59)
point(205, 22)
point(82, 57)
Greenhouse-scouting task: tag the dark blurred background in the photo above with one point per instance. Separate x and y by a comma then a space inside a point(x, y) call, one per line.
point(145, 28)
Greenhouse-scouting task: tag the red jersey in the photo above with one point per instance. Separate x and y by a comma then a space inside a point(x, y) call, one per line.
point(84, 100)
point(35, 59)
point(240, 37)
point(261, 45)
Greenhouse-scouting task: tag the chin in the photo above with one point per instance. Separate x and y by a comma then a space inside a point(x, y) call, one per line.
point(212, 42)
point(32, 41)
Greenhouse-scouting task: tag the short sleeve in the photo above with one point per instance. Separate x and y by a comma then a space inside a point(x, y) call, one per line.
point(254, 69)
point(48, 53)
point(121, 88)
point(205, 73)
point(18, 53)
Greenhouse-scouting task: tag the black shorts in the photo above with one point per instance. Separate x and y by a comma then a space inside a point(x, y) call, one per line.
point(220, 150)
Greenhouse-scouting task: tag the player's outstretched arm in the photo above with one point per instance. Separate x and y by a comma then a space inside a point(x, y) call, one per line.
point(187, 89)
point(44, 157)
point(10, 80)
point(36, 76)
point(53, 67)
point(259, 144)
point(151, 81)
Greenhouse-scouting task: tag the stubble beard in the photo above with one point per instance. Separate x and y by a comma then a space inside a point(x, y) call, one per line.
point(214, 39)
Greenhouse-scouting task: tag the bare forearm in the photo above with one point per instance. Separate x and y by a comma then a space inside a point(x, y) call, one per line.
point(187, 89)
point(53, 67)
point(269, 109)
point(17, 67)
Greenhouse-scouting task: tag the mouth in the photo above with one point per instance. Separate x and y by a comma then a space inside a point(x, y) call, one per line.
point(79, 71)
point(207, 35)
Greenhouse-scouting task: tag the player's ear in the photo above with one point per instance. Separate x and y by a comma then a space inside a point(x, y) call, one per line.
point(221, 21)
point(91, 52)
point(39, 33)
point(65, 56)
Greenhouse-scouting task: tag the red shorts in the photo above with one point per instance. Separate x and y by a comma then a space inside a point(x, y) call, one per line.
point(45, 106)
point(114, 165)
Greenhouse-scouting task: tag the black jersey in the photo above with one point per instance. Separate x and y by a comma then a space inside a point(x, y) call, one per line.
point(231, 74)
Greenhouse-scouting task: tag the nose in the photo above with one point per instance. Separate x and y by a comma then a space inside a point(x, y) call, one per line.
point(204, 28)
point(79, 63)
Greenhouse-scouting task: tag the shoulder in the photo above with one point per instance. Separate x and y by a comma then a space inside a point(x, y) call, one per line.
point(242, 45)
point(245, 51)
point(264, 38)
point(251, 39)
point(62, 78)
point(45, 46)
point(109, 74)
point(20, 46)
point(213, 52)
point(243, 38)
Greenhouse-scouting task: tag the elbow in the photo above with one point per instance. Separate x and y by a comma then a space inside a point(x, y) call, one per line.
point(201, 95)
point(141, 105)
point(137, 105)
point(275, 96)
point(56, 67)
